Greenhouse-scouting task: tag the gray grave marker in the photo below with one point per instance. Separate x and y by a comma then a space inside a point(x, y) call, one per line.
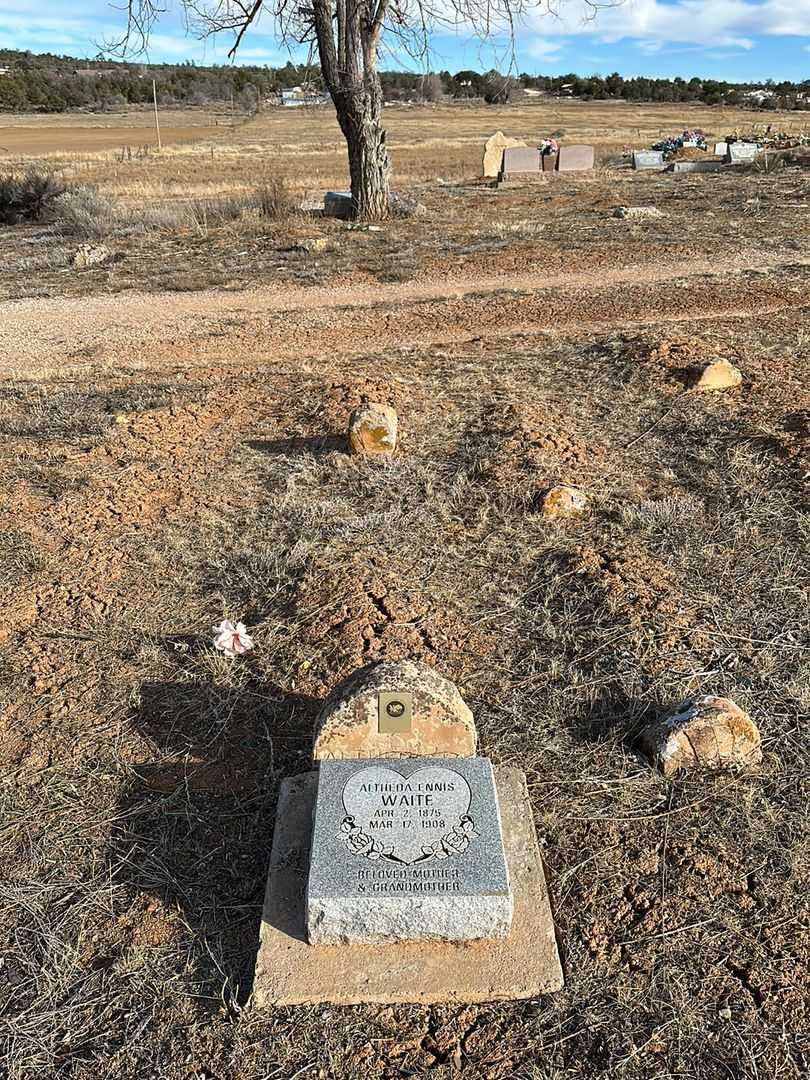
point(741, 153)
point(648, 159)
point(407, 851)
point(338, 204)
point(696, 166)
point(720, 149)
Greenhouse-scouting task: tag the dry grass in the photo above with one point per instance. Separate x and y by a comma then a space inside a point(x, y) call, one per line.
point(170, 481)
point(306, 149)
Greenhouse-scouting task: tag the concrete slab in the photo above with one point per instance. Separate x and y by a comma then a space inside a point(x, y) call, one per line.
point(289, 971)
point(696, 166)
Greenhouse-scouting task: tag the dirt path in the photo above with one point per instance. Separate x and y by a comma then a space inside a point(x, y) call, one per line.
point(135, 330)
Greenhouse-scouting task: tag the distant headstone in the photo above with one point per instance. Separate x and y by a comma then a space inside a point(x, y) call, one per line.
point(373, 430)
point(411, 852)
point(338, 204)
point(521, 159)
point(742, 153)
point(493, 152)
point(648, 159)
point(575, 158)
point(696, 166)
point(720, 149)
point(394, 709)
point(549, 162)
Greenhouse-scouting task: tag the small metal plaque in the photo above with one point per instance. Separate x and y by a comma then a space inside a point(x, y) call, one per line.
point(395, 713)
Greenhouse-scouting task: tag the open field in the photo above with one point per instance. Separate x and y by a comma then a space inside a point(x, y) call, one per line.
point(173, 454)
point(305, 147)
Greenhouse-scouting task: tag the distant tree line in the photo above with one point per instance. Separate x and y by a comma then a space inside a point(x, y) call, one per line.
point(46, 83)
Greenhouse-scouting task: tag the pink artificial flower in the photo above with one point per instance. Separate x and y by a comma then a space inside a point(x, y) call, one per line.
point(232, 640)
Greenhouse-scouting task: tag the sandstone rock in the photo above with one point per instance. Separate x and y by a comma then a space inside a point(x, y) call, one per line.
point(91, 255)
point(563, 501)
point(720, 375)
point(348, 725)
point(405, 206)
point(637, 212)
point(314, 243)
point(493, 152)
point(711, 732)
point(373, 429)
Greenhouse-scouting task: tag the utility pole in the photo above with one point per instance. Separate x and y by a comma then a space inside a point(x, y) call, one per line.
point(157, 121)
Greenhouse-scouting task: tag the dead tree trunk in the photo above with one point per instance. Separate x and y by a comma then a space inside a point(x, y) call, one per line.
point(359, 113)
point(347, 46)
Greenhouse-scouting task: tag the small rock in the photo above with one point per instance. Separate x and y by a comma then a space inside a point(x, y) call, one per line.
point(91, 255)
point(724, 1013)
point(373, 430)
point(719, 375)
point(564, 501)
point(314, 243)
point(712, 732)
point(404, 206)
point(637, 212)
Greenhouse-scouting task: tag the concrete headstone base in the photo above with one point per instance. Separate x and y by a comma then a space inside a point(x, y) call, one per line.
point(290, 971)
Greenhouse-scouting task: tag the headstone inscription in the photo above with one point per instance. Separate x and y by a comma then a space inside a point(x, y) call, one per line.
point(407, 851)
point(742, 153)
point(648, 159)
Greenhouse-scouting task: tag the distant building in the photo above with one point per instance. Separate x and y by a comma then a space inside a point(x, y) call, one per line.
point(759, 95)
point(298, 96)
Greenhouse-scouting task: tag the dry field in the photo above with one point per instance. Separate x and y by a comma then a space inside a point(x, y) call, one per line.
point(173, 454)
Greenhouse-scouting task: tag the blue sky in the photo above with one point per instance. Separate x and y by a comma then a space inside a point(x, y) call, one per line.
point(739, 40)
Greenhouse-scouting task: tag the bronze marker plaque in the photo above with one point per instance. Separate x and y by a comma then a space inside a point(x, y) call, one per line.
point(395, 713)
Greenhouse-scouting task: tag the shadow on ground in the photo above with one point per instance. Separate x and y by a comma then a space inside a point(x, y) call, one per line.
point(195, 826)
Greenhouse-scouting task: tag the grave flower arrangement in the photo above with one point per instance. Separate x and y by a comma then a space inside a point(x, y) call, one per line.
point(549, 146)
point(674, 143)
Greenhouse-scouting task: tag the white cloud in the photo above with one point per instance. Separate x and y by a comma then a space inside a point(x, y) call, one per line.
point(705, 23)
point(543, 49)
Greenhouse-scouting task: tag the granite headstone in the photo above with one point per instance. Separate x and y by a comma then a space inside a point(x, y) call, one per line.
point(742, 153)
point(648, 159)
point(575, 158)
point(521, 159)
point(407, 851)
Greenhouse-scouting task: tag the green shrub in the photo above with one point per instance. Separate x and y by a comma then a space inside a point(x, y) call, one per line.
point(26, 196)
